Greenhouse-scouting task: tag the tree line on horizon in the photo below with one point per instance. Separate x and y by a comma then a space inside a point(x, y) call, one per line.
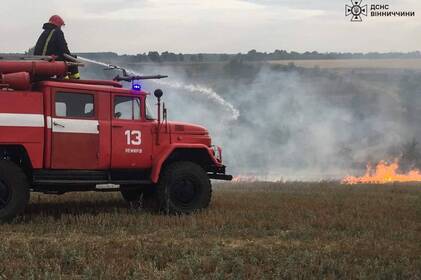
point(252, 56)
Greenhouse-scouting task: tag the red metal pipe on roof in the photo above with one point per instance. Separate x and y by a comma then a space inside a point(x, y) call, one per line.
point(36, 69)
point(16, 81)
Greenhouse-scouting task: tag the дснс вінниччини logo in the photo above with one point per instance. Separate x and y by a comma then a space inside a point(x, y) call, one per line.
point(356, 10)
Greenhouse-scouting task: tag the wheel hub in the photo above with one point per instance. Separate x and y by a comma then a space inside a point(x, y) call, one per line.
point(183, 191)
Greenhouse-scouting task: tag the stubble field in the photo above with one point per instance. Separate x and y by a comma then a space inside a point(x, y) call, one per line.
point(251, 231)
point(375, 64)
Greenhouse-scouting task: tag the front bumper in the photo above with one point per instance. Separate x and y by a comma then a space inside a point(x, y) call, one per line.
point(218, 173)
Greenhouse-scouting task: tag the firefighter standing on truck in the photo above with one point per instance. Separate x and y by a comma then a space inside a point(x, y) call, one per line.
point(52, 42)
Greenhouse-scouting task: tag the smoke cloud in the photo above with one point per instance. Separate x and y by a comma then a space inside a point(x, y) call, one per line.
point(289, 123)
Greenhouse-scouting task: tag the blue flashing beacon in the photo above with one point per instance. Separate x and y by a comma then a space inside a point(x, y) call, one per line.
point(136, 86)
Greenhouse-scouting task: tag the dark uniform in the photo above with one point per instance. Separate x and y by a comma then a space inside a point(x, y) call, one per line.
point(52, 42)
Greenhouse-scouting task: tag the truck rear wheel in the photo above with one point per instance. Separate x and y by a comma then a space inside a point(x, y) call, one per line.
point(14, 191)
point(184, 187)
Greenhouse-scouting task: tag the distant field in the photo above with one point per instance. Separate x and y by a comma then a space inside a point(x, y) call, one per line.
point(356, 63)
point(251, 231)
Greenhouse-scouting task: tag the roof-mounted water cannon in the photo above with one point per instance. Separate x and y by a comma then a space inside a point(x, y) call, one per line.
point(134, 79)
point(130, 78)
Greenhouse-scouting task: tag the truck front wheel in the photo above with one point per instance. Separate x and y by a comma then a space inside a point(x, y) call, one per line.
point(184, 187)
point(14, 191)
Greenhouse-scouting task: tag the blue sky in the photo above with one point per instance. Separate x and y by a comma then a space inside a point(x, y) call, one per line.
point(192, 26)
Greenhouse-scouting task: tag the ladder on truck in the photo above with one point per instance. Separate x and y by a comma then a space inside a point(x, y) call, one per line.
point(70, 60)
point(15, 57)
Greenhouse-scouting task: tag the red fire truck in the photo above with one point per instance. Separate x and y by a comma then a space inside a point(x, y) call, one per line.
point(59, 136)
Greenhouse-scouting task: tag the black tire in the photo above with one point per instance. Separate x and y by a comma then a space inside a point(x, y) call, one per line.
point(183, 188)
point(14, 190)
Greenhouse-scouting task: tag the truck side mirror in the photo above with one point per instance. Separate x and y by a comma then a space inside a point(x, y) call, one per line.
point(158, 93)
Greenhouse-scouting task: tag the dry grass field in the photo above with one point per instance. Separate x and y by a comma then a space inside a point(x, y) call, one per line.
point(251, 231)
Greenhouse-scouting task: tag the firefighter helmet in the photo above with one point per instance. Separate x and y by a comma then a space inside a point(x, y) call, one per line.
point(56, 20)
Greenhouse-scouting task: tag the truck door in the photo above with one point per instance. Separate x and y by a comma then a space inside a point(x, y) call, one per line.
point(131, 136)
point(74, 128)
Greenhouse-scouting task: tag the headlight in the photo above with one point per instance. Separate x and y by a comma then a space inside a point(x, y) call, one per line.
point(217, 152)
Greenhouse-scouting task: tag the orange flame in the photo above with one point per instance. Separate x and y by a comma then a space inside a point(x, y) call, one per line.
point(384, 173)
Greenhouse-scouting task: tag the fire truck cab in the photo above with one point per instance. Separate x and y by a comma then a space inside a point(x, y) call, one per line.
point(59, 136)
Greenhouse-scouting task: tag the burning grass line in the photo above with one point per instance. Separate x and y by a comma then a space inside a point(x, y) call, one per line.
point(384, 173)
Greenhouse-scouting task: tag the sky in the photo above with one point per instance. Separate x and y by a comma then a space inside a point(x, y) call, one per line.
point(211, 26)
